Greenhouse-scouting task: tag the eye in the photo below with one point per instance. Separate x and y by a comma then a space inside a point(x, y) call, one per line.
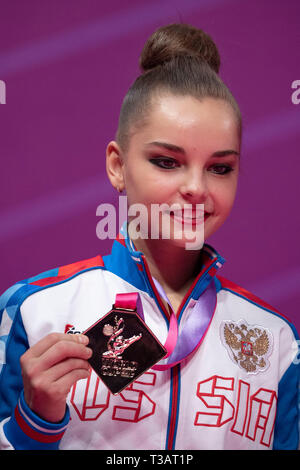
point(166, 163)
point(222, 169)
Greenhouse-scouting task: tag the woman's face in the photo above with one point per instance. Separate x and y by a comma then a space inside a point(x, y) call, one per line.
point(187, 153)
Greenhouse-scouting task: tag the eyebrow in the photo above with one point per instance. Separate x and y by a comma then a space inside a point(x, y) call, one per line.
point(176, 149)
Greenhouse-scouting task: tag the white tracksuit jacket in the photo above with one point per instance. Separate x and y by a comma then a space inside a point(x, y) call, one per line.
point(238, 390)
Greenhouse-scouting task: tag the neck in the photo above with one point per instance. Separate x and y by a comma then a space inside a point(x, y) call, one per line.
point(175, 268)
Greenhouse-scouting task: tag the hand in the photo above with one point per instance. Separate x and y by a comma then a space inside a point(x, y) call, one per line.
point(50, 368)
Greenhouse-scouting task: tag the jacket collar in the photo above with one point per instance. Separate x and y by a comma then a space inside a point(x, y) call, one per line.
point(211, 262)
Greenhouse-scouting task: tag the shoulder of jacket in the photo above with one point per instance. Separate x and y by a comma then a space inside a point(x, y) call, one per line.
point(64, 273)
point(16, 294)
point(235, 289)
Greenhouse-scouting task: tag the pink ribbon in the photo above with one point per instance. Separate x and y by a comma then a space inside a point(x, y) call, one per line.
point(178, 346)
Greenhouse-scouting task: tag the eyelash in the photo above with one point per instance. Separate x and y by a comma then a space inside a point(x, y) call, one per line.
point(158, 161)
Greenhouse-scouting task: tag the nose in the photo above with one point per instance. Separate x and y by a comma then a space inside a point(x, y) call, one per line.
point(194, 186)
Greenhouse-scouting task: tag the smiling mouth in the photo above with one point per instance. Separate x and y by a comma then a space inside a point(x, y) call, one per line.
point(189, 217)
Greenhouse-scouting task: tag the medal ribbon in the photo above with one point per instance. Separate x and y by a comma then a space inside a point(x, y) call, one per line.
point(179, 346)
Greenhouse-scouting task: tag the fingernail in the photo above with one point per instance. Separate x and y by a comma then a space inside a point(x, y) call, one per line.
point(83, 339)
point(88, 352)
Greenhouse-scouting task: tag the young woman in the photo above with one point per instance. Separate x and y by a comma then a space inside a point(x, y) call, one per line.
point(230, 378)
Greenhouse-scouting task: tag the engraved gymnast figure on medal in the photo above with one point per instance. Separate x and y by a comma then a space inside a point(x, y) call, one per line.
point(116, 344)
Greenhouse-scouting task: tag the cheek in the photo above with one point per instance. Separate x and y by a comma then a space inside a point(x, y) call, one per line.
point(224, 196)
point(147, 188)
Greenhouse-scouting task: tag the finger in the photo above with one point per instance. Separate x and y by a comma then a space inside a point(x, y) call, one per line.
point(33, 367)
point(60, 352)
point(48, 341)
point(58, 371)
point(62, 386)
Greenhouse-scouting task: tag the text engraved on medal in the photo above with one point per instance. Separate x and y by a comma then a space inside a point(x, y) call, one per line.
point(112, 363)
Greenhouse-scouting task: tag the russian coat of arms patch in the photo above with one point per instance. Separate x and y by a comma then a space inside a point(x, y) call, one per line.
point(248, 346)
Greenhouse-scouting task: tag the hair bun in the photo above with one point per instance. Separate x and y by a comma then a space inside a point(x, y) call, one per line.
point(175, 40)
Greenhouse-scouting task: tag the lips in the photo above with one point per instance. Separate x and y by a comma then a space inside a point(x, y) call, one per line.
point(189, 216)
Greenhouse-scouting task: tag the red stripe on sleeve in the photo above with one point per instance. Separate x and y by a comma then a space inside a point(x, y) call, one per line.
point(37, 436)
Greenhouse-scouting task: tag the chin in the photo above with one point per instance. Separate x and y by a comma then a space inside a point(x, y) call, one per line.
point(194, 243)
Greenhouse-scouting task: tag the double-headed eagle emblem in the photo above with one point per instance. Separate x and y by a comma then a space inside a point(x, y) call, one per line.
point(249, 346)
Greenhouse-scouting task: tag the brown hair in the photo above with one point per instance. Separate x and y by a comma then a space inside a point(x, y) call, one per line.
point(178, 59)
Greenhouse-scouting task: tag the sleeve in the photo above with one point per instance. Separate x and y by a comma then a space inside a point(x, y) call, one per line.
point(20, 428)
point(286, 432)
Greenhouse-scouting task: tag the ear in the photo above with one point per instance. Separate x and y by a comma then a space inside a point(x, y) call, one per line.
point(114, 165)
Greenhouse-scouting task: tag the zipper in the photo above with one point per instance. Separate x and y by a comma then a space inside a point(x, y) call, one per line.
point(203, 274)
point(173, 408)
point(153, 290)
point(175, 371)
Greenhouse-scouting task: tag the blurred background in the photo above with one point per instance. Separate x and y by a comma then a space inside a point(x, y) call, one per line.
point(67, 65)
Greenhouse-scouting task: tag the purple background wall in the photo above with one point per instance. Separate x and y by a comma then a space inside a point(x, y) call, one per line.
point(67, 65)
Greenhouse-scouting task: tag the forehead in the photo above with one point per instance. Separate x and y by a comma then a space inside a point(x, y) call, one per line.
point(189, 122)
